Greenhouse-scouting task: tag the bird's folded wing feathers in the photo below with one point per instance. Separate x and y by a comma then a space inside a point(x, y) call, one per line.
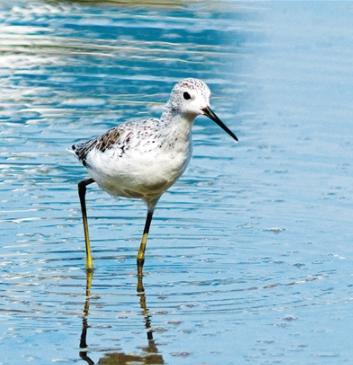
point(101, 143)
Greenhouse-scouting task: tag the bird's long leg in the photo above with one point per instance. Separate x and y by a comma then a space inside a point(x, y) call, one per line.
point(82, 194)
point(141, 252)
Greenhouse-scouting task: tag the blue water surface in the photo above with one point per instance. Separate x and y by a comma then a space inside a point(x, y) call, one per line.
point(250, 257)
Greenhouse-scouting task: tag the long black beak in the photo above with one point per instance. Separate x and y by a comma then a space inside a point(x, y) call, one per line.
point(208, 112)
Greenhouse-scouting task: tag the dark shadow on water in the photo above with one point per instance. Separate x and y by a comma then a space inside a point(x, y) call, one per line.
point(150, 354)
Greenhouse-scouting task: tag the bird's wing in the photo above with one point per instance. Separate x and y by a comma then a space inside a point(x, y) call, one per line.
point(119, 136)
point(101, 143)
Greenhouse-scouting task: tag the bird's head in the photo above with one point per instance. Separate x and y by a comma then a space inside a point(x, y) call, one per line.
point(190, 98)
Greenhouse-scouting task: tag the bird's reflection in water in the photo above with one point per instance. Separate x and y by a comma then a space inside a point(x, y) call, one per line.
point(150, 354)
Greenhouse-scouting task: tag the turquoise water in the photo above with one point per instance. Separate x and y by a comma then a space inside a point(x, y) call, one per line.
point(250, 253)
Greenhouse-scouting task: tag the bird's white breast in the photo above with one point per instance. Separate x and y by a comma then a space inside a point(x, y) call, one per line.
point(140, 172)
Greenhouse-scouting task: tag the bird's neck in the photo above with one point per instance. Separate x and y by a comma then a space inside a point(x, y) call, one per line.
point(177, 127)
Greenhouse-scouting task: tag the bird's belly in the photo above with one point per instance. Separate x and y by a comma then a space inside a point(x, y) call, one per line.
point(145, 176)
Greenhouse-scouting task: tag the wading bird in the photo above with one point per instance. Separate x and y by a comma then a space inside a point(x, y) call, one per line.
point(143, 158)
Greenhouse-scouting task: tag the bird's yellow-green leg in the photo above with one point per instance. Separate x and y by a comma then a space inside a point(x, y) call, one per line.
point(82, 194)
point(143, 244)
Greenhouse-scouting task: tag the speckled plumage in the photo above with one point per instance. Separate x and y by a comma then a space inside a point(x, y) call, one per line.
point(117, 138)
point(143, 158)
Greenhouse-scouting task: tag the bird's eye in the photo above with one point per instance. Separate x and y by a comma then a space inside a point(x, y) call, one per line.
point(186, 95)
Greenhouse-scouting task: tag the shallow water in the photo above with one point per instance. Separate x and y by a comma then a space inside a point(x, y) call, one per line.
point(250, 256)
